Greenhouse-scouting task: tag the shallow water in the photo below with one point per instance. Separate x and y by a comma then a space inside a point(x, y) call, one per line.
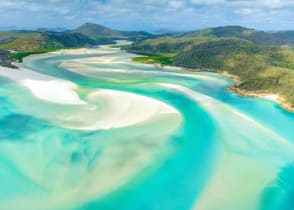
point(224, 152)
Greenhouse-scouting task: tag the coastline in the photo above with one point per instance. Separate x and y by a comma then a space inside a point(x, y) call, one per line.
point(99, 108)
point(258, 94)
point(43, 86)
point(237, 81)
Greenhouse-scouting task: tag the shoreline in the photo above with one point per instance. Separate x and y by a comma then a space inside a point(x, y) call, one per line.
point(257, 93)
point(237, 81)
point(44, 87)
point(99, 108)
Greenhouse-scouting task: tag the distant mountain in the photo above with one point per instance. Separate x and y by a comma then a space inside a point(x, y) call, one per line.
point(225, 31)
point(136, 34)
point(286, 36)
point(85, 35)
point(68, 39)
point(98, 32)
point(8, 28)
point(258, 37)
point(95, 31)
point(57, 29)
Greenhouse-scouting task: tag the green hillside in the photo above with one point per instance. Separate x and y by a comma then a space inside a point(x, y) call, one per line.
point(286, 36)
point(43, 40)
point(85, 35)
point(257, 37)
point(263, 61)
point(267, 68)
point(100, 33)
point(96, 32)
point(31, 42)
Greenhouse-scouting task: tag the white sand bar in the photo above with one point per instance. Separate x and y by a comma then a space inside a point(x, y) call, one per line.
point(82, 51)
point(125, 109)
point(102, 109)
point(44, 87)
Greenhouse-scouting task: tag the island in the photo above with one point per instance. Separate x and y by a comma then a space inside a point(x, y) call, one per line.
point(260, 63)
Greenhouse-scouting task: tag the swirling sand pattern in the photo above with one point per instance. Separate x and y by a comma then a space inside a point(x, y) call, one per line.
point(88, 129)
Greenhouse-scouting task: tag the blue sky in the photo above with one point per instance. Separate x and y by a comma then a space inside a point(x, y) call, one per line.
point(149, 15)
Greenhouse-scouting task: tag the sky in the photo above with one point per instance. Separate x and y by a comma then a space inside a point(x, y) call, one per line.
point(148, 15)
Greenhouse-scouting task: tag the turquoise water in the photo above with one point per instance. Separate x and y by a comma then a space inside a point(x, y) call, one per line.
point(227, 152)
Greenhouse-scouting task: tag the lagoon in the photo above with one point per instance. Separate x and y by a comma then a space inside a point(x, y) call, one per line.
point(136, 136)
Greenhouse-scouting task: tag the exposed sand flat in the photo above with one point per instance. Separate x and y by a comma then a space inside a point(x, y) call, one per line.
point(272, 97)
point(103, 109)
point(99, 50)
point(36, 56)
point(107, 109)
point(54, 91)
point(251, 152)
point(200, 98)
point(124, 109)
point(81, 66)
point(44, 87)
point(87, 70)
point(83, 51)
point(107, 59)
point(104, 59)
point(216, 107)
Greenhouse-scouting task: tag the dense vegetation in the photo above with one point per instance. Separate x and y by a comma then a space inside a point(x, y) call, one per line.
point(257, 37)
point(153, 59)
point(4, 59)
point(25, 43)
point(262, 61)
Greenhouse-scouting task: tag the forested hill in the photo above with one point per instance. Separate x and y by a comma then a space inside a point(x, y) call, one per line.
point(263, 61)
point(26, 42)
point(87, 34)
point(255, 36)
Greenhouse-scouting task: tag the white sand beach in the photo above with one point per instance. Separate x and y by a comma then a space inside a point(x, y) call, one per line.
point(198, 97)
point(104, 59)
point(44, 87)
point(100, 110)
point(124, 109)
point(82, 66)
point(103, 49)
point(80, 51)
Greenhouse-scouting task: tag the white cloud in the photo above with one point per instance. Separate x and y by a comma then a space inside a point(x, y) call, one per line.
point(252, 9)
point(247, 11)
point(148, 14)
point(262, 4)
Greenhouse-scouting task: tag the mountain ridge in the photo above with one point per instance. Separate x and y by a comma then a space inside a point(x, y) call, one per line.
point(86, 35)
